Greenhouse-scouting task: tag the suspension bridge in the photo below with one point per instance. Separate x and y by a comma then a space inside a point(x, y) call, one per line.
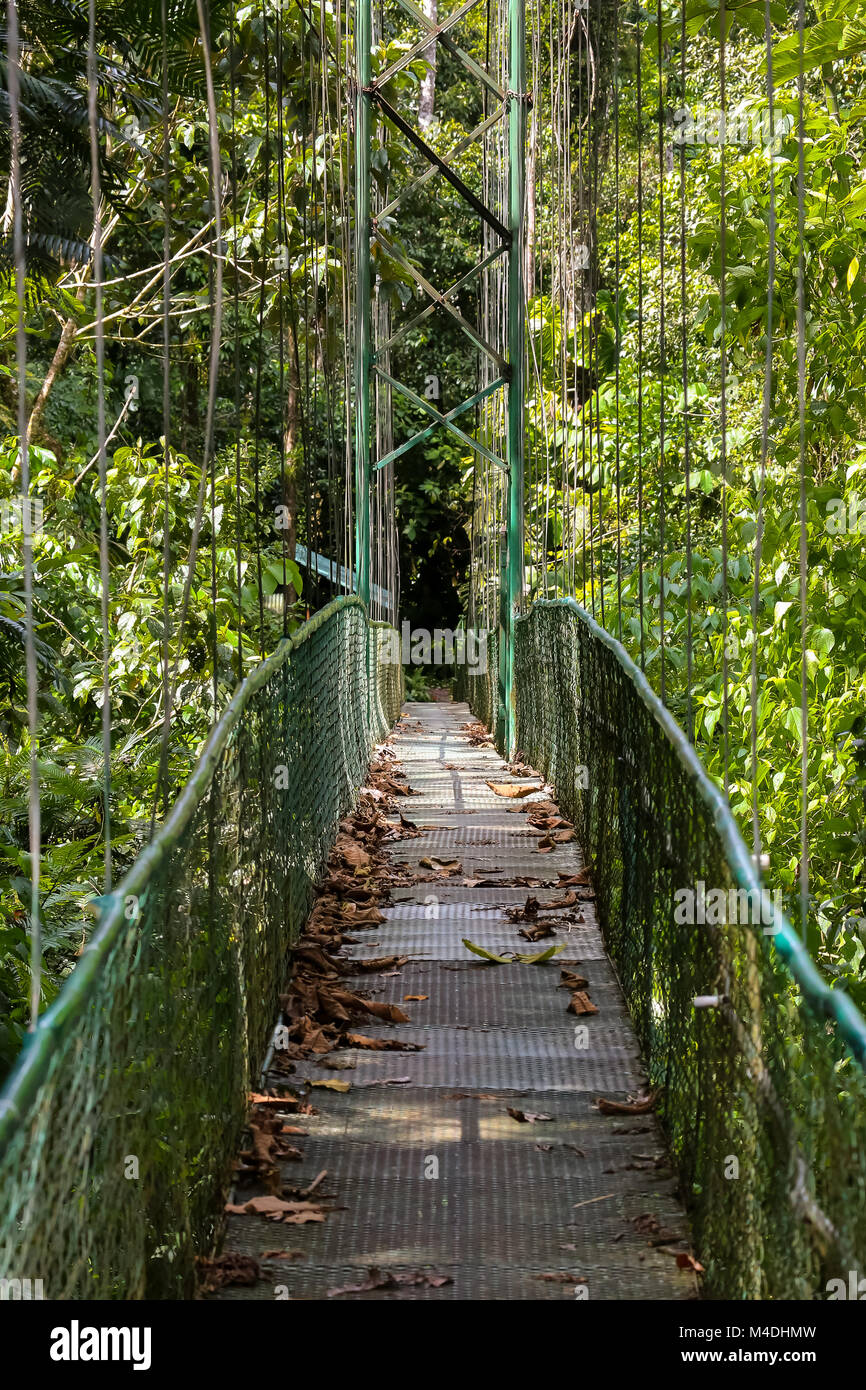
point(687, 1115)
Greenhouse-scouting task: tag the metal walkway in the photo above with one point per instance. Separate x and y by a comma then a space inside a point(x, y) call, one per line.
point(434, 1175)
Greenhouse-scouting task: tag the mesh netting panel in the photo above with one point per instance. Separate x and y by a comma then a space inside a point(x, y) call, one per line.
point(118, 1127)
point(478, 688)
point(764, 1107)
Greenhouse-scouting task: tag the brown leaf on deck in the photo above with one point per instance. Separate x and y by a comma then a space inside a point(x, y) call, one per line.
point(278, 1209)
point(686, 1261)
point(581, 1004)
point(379, 963)
point(640, 1105)
point(569, 980)
point(537, 933)
point(377, 1279)
point(527, 913)
point(381, 1044)
point(230, 1268)
point(510, 790)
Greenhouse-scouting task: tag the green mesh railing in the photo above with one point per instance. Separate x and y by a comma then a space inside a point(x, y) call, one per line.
point(763, 1102)
point(479, 688)
point(120, 1121)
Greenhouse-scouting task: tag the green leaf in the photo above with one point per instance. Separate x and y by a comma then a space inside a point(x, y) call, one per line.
point(485, 955)
point(794, 723)
point(540, 955)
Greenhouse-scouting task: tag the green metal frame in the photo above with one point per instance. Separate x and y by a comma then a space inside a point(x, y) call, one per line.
point(513, 576)
point(510, 374)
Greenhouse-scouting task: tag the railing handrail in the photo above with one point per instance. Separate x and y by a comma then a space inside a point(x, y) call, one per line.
point(834, 1004)
point(31, 1065)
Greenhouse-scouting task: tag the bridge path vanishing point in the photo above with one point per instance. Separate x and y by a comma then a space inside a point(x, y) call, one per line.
point(585, 1194)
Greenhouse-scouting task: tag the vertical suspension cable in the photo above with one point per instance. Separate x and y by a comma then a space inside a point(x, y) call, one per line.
point(765, 441)
point(282, 243)
point(723, 367)
point(32, 674)
point(309, 312)
point(264, 254)
point(684, 335)
point(639, 101)
point(588, 306)
point(589, 303)
point(214, 176)
point(567, 278)
point(212, 619)
point(99, 341)
point(166, 401)
point(801, 411)
point(596, 136)
point(618, 321)
point(662, 351)
point(236, 349)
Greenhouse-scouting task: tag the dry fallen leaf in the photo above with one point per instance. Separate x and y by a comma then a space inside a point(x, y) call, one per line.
point(391, 1013)
point(638, 1106)
point(382, 1044)
point(509, 789)
point(581, 1004)
point(414, 998)
point(333, 1085)
point(569, 880)
point(685, 1261)
point(379, 963)
point(442, 866)
point(527, 1117)
point(568, 900)
point(230, 1268)
point(569, 980)
point(278, 1209)
point(537, 933)
point(387, 1081)
point(377, 1279)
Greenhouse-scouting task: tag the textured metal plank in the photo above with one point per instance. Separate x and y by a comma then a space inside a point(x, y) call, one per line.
point(508, 1201)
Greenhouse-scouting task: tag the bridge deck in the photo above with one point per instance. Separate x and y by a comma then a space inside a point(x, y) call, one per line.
point(582, 1196)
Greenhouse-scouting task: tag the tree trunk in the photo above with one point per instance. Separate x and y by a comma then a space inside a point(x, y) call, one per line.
point(58, 362)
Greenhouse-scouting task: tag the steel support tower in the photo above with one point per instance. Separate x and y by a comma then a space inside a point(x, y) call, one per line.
point(511, 106)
